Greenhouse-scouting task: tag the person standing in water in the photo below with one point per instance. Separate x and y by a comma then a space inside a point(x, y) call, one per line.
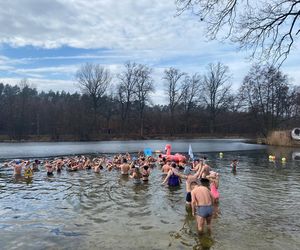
point(145, 173)
point(125, 167)
point(233, 165)
point(49, 168)
point(173, 176)
point(136, 175)
point(201, 205)
point(18, 166)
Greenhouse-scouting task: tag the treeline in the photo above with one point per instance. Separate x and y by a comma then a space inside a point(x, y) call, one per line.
point(110, 106)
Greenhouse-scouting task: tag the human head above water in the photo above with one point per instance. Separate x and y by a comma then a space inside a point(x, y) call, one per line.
point(173, 165)
point(193, 184)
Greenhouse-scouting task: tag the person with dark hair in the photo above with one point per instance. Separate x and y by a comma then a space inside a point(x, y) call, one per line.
point(233, 165)
point(136, 175)
point(173, 176)
point(145, 173)
point(125, 167)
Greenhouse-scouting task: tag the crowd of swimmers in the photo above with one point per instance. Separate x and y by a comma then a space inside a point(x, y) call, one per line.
point(201, 182)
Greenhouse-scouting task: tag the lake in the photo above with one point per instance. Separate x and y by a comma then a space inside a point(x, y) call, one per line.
point(259, 206)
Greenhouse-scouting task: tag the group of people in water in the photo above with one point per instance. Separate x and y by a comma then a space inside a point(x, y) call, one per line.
point(201, 182)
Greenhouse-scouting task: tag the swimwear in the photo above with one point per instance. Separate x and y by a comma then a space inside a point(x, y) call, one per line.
point(214, 191)
point(173, 180)
point(204, 211)
point(49, 174)
point(188, 197)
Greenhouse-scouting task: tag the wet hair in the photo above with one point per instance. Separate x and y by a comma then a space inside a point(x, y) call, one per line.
point(204, 182)
point(124, 160)
point(146, 167)
point(193, 183)
point(173, 165)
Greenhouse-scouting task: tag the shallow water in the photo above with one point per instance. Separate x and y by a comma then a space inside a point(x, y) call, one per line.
point(83, 210)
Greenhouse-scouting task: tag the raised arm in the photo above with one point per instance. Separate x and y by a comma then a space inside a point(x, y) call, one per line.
point(167, 177)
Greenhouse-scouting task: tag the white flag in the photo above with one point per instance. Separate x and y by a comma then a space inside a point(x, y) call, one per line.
point(191, 152)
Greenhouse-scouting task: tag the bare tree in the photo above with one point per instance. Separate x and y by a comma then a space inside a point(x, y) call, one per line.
point(126, 91)
point(269, 27)
point(190, 96)
point(144, 86)
point(93, 81)
point(174, 81)
point(216, 91)
point(269, 97)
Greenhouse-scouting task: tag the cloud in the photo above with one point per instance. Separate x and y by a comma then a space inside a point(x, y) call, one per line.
point(125, 24)
point(109, 32)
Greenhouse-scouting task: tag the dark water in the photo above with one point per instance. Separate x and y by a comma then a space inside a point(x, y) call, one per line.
point(259, 209)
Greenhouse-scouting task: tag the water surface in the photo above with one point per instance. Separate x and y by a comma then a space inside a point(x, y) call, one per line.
point(82, 210)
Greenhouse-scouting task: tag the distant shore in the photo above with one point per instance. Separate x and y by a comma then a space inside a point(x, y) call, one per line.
point(64, 138)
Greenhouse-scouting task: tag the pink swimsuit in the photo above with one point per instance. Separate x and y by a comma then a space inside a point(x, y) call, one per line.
point(214, 191)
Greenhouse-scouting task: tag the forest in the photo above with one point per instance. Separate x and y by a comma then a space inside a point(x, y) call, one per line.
point(108, 106)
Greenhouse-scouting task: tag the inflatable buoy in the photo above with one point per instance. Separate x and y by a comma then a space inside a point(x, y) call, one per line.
point(169, 157)
point(272, 158)
point(296, 134)
point(283, 160)
point(221, 155)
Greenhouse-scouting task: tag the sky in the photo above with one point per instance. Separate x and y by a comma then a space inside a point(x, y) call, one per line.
point(46, 41)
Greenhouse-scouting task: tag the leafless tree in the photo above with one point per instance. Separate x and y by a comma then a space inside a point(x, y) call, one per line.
point(93, 80)
point(174, 80)
point(267, 94)
point(216, 91)
point(269, 28)
point(144, 86)
point(126, 91)
point(191, 89)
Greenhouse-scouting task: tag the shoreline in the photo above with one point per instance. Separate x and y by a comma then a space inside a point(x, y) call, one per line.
point(249, 138)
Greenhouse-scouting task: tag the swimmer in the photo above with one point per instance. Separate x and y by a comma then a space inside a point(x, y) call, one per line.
point(173, 176)
point(49, 169)
point(166, 168)
point(136, 175)
point(18, 166)
point(214, 185)
point(145, 173)
point(197, 164)
point(125, 167)
point(234, 165)
point(203, 173)
point(201, 206)
point(35, 167)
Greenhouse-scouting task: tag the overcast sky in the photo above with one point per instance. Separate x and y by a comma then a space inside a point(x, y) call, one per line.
point(46, 41)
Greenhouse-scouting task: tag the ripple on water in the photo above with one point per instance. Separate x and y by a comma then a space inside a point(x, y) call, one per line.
point(258, 209)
